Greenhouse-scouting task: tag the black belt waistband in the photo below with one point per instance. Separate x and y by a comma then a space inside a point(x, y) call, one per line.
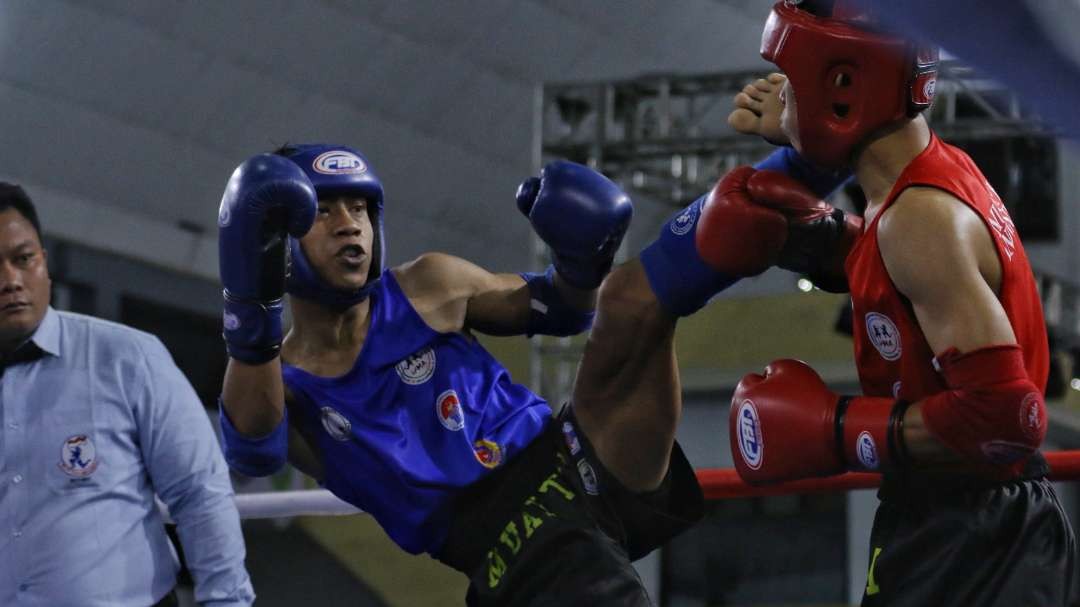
point(906, 485)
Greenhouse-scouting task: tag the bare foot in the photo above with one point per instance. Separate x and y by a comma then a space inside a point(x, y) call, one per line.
point(757, 109)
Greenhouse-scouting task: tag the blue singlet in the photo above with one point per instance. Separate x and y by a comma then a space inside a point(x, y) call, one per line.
point(420, 415)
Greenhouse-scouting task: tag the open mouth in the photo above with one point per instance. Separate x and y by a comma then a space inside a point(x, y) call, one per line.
point(352, 254)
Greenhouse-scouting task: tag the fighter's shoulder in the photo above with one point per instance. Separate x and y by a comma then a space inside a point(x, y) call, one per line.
point(926, 216)
point(925, 237)
point(429, 270)
point(434, 275)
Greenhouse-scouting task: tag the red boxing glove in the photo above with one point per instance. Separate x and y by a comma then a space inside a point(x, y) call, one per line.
point(819, 236)
point(787, 425)
point(735, 236)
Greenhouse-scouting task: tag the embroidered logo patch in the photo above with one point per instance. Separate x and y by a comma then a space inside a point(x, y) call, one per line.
point(588, 477)
point(1003, 452)
point(336, 424)
point(417, 368)
point(448, 409)
point(572, 442)
point(488, 453)
point(78, 458)
point(884, 335)
point(685, 221)
point(1031, 417)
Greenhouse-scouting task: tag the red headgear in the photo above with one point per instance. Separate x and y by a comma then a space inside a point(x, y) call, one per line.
point(848, 81)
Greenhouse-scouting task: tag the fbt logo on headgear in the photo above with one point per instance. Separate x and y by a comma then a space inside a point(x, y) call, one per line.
point(751, 446)
point(338, 162)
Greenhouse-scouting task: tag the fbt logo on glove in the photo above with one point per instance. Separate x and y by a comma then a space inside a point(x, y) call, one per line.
point(866, 449)
point(751, 447)
point(338, 162)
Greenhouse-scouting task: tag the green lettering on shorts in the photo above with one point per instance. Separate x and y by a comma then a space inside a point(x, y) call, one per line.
point(871, 586)
point(511, 537)
point(496, 568)
point(552, 483)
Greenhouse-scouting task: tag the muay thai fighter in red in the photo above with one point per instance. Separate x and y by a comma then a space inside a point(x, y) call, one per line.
point(950, 343)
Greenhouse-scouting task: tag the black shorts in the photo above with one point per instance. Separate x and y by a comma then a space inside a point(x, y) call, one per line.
point(555, 528)
point(1007, 544)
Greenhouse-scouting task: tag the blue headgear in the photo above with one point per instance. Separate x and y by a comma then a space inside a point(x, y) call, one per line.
point(336, 170)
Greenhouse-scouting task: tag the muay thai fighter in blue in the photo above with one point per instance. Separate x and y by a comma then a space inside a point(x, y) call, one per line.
point(381, 392)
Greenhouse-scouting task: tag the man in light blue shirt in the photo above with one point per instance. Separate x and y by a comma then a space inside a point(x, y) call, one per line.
point(96, 419)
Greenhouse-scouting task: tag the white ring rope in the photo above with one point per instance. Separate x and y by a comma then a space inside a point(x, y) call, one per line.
point(278, 504)
point(283, 504)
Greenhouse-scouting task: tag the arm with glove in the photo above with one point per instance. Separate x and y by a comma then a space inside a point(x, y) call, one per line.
point(582, 217)
point(819, 236)
point(268, 198)
point(786, 424)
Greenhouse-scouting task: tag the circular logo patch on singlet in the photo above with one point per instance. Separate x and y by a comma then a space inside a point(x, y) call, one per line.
point(751, 447)
point(866, 450)
point(488, 453)
point(336, 425)
point(685, 221)
point(883, 334)
point(78, 458)
point(448, 409)
point(417, 368)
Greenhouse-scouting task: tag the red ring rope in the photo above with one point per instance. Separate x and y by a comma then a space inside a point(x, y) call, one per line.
point(724, 483)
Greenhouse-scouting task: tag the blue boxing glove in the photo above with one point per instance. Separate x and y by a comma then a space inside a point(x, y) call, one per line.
point(267, 198)
point(581, 215)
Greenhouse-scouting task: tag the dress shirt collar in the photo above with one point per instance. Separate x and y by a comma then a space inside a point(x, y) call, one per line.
point(47, 335)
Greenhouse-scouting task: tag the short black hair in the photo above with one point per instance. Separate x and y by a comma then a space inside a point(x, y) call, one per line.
point(286, 150)
point(14, 197)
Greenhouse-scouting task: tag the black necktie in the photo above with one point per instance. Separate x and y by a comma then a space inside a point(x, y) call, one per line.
point(27, 352)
